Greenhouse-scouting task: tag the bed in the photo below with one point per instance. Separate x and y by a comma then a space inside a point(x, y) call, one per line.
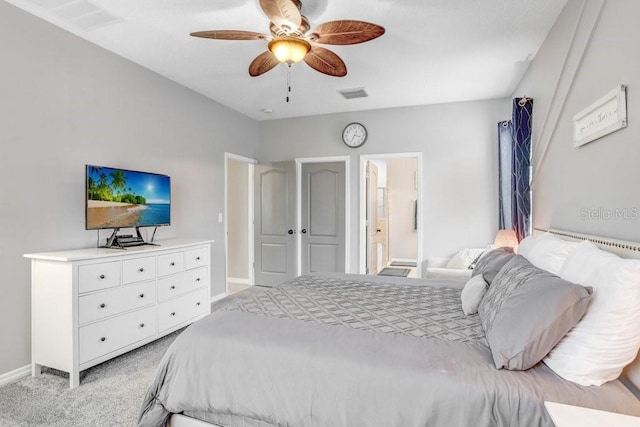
point(351, 350)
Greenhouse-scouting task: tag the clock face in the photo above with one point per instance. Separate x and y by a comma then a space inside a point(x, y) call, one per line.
point(354, 135)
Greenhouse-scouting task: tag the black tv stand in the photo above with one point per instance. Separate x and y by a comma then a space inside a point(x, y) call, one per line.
point(123, 241)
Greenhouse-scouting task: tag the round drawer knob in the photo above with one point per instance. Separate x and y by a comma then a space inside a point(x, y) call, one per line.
point(141, 295)
point(102, 276)
point(103, 305)
point(173, 313)
point(142, 325)
point(197, 258)
point(198, 303)
point(172, 264)
point(197, 279)
point(141, 270)
point(172, 287)
point(103, 339)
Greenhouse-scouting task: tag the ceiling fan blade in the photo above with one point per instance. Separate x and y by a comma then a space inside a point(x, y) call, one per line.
point(263, 63)
point(326, 62)
point(347, 32)
point(284, 13)
point(229, 35)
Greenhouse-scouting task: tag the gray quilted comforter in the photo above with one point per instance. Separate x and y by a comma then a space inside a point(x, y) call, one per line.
point(346, 350)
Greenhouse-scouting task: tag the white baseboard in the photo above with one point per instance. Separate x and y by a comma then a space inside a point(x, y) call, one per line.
point(15, 375)
point(218, 297)
point(238, 280)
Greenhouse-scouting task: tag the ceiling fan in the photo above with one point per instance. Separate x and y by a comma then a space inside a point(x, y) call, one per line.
point(291, 40)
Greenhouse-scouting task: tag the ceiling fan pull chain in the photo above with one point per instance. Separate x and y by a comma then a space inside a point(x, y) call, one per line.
point(288, 81)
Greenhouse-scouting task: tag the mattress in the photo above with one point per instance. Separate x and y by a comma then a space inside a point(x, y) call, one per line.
point(349, 350)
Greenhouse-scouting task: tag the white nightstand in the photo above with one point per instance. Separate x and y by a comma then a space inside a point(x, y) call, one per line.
point(575, 416)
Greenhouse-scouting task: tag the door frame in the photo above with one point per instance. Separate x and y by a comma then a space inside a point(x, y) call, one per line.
point(362, 268)
point(347, 206)
point(250, 244)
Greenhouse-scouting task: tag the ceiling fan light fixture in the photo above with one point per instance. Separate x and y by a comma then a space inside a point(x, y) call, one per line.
point(289, 50)
point(290, 38)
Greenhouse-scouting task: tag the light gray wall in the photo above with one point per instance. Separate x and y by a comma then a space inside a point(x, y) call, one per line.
point(64, 103)
point(459, 161)
point(238, 219)
point(602, 174)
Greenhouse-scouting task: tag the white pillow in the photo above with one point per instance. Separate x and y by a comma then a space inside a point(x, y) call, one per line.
point(464, 257)
point(525, 246)
point(549, 252)
point(607, 338)
point(472, 294)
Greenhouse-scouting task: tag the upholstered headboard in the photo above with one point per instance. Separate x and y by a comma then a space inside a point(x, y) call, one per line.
point(624, 249)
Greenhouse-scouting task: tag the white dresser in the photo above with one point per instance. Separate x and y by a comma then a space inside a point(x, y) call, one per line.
point(90, 305)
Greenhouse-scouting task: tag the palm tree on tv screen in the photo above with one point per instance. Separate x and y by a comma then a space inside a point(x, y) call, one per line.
point(118, 180)
point(117, 191)
point(102, 181)
point(91, 186)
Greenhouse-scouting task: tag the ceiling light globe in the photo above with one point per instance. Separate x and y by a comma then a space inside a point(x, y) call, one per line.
point(289, 50)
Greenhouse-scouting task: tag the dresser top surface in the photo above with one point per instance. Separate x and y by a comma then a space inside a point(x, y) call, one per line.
point(96, 253)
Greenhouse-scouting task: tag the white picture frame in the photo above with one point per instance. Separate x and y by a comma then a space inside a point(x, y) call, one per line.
point(606, 115)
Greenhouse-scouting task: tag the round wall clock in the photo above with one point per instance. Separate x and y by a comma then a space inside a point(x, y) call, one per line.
point(354, 135)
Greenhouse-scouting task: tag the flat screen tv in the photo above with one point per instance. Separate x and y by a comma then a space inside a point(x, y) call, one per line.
point(120, 198)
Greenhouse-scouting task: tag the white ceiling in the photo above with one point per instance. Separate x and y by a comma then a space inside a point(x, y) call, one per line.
point(433, 51)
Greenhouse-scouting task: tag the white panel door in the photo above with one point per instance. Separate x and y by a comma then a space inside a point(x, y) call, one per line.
point(274, 221)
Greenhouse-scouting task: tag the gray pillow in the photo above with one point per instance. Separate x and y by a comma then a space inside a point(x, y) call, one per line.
point(491, 262)
point(489, 276)
point(475, 261)
point(527, 311)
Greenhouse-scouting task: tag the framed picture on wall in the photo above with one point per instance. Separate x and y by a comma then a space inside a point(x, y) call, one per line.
point(606, 115)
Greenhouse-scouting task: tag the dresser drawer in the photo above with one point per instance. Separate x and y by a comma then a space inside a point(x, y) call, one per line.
point(139, 269)
point(169, 287)
point(181, 309)
point(170, 263)
point(110, 335)
point(93, 277)
point(195, 258)
point(103, 304)
point(197, 278)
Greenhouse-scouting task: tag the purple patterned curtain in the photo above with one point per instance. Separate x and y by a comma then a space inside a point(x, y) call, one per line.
point(514, 168)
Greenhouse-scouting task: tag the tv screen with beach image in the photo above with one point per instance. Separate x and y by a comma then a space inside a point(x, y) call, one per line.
point(119, 198)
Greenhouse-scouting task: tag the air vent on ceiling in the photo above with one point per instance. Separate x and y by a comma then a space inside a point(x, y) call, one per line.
point(75, 9)
point(51, 4)
point(95, 20)
point(354, 93)
point(82, 13)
